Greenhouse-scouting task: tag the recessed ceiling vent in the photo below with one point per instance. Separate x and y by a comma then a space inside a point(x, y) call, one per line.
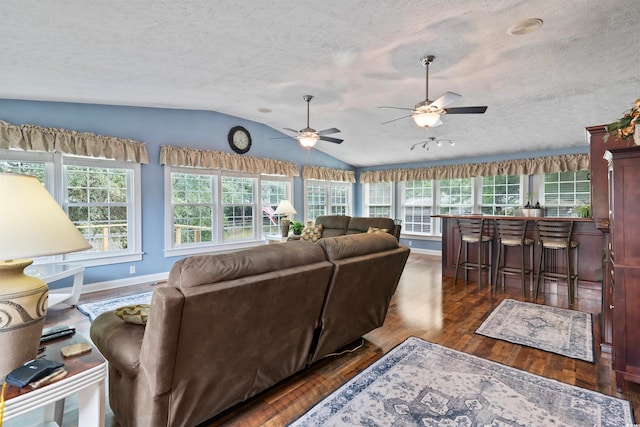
point(525, 27)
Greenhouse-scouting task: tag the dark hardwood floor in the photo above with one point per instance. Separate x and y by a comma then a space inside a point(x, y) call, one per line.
point(426, 306)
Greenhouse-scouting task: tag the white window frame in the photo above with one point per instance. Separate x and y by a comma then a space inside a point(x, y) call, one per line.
point(478, 189)
point(55, 183)
point(539, 190)
point(288, 196)
point(366, 199)
point(328, 185)
point(403, 210)
point(218, 244)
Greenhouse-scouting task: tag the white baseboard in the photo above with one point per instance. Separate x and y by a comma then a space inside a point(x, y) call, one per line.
point(120, 283)
point(427, 251)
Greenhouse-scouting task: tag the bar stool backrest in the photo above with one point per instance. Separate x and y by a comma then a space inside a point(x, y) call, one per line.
point(555, 234)
point(472, 229)
point(511, 232)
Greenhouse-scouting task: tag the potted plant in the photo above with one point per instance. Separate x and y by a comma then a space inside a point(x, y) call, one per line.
point(583, 210)
point(296, 227)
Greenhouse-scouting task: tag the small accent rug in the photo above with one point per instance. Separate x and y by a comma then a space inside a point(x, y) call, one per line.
point(93, 309)
point(553, 329)
point(420, 383)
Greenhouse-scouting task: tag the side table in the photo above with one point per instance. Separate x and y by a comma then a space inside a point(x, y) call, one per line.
point(52, 272)
point(86, 375)
point(271, 239)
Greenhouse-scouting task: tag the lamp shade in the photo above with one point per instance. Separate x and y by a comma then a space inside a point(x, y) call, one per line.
point(285, 208)
point(32, 223)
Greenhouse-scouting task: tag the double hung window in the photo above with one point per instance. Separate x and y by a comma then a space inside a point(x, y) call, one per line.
point(101, 198)
point(211, 208)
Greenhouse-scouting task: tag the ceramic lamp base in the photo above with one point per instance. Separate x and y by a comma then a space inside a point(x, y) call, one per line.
point(284, 227)
point(23, 307)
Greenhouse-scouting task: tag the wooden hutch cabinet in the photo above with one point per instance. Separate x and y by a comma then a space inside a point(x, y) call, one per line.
point(600, 214)
point(624, 258)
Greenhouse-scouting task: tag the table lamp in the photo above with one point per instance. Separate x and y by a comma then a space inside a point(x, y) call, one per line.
point(31, 224)
point(285, 208)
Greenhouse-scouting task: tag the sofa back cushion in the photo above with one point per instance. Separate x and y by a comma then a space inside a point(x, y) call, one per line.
point(367, 268)
point(248, 322)
point(333, 225)
point(206, 269)
point(361, 224)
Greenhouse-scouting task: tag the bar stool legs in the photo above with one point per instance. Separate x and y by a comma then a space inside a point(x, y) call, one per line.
point(472, 231)
point(553, 236)
point(511, 233)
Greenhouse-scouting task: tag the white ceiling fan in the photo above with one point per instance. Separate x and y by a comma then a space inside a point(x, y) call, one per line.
point(309, 136)
point(427, 113)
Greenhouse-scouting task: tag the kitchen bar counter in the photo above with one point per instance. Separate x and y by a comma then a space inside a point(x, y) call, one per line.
point(590, 264)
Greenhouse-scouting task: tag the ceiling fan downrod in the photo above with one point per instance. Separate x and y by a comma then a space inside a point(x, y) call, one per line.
point(308, 99)
point(426, 61)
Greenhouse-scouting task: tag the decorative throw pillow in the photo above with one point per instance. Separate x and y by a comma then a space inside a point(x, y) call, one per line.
point(312, 233)
point(134, 313)
point(377, 230)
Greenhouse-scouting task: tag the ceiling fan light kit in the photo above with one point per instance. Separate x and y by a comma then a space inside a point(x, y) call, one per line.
point(309, 136)
point(426, 114)
point(432, 139)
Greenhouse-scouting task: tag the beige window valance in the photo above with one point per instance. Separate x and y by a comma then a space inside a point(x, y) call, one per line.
point(538, 165)
point(191, 157)
point(36, 138)
point(328, 174)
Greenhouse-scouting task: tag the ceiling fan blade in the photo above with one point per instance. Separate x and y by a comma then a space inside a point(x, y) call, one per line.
point(291, 130)
point(466, 110)
point(445, 100)
point(329, 139)
point(397, 108)
point(328, 131)
point(393, 120)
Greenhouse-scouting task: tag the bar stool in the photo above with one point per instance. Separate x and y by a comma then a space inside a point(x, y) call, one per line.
point(472, 231)
point(556, 235)
point(511, 234)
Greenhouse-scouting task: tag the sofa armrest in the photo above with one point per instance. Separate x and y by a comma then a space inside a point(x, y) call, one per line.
point(118, 341)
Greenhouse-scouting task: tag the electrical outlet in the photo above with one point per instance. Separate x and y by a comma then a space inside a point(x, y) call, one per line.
point(409, 242)
point(132, 269)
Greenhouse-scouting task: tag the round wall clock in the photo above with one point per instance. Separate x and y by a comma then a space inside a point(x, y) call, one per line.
point(239, 139)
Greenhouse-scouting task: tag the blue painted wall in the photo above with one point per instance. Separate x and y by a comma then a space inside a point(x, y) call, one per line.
point(158, 126)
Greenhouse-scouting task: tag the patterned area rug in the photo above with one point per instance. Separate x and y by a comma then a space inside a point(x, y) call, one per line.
point(93, 309)
point(558, 330)
point(420, 383)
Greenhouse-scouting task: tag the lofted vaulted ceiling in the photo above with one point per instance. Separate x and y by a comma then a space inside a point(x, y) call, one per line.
point(256, 60)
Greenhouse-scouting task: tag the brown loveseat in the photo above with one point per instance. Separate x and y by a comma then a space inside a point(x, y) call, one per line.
point(339, 225)
point(228, 326)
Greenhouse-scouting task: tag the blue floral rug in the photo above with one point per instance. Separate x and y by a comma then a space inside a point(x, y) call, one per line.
point(423, 384)
point(558, 330)
point(93, 309)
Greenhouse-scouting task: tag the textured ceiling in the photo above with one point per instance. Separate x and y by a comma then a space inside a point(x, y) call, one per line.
point(581, 68)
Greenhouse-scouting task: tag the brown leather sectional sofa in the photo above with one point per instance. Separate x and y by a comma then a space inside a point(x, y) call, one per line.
point(228, 326)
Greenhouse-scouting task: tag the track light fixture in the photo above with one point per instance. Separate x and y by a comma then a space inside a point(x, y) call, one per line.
point(432, 140)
